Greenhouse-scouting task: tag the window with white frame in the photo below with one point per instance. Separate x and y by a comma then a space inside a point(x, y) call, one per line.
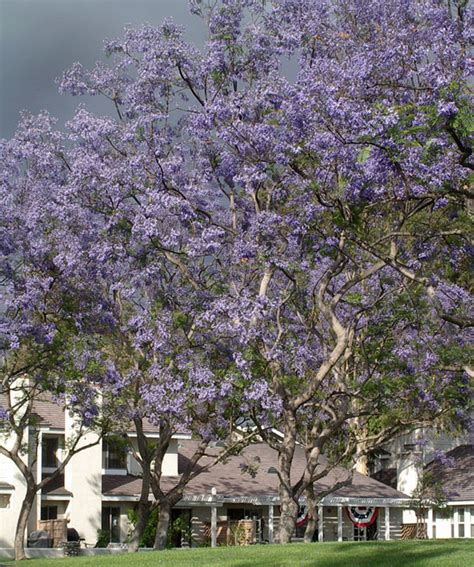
point(114, 454)
point(49, 452)
point(461, 519)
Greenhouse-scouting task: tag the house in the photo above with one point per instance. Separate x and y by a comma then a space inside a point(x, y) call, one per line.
point(451, 464)
point(102, 483)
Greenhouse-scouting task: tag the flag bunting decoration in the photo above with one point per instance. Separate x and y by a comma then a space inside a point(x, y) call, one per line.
point(362, 516)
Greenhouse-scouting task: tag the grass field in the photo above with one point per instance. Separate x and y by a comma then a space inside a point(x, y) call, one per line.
point(440, 553)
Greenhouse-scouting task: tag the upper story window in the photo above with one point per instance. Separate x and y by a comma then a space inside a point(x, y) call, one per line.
point(114, 454)
point(49, 452)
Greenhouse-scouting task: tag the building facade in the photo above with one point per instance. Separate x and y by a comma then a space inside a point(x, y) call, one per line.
point(101, 485)
point(450, 462)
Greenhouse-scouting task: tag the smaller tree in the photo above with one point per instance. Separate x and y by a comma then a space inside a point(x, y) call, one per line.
point(48, 317)
point(429, 493)
point(19, 440)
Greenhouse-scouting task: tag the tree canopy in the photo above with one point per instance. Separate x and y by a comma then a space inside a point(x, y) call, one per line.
point(271, 229)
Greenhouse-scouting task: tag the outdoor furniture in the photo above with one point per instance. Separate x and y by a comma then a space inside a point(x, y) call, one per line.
point(71, 548)
point(39, 539)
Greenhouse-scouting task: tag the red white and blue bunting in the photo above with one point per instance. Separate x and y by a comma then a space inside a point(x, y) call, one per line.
point(303, 516)
point(362, 516)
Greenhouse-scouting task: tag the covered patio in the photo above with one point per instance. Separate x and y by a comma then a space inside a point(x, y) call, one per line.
point(218, 499)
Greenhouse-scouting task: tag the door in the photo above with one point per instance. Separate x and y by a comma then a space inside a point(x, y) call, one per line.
point(111, 522)
point(180, 527)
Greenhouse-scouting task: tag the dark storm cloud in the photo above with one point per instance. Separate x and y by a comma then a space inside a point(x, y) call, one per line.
point(39, 39)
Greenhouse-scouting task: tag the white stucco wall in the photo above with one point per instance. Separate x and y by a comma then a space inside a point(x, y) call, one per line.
point(83, 477)
point(9, 516)
point(170, 462)
point(407, 471)
point(11, 475)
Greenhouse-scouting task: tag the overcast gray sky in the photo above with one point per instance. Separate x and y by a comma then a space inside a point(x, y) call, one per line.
point(41, 38)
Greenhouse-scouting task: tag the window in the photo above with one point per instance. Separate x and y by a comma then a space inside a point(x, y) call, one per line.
point(111, 523)
point(461, 522)
point(49, 452)
point(49, 512)
point(114, 454)
point(4, 501)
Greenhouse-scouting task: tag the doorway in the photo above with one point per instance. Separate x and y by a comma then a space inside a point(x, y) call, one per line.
point(111, 523)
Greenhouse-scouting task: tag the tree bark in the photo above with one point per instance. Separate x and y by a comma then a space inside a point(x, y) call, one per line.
point(312, 515)
point(362, 465)
point(164, 516)
point(22, 523)
point(288, 515)
point(362, 458)
point(288, 501)
point(143, 511)
point(420, 527)
point(143, 515)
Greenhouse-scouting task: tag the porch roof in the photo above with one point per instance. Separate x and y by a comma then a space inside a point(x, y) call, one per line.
point(234, 485)
point(56, 487)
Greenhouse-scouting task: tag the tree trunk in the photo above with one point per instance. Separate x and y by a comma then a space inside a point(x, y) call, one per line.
point(143, 515)
point(362, 459)
point(420, 527)
point(362, 465)
point(288, 503)
point(22, 523)
point(312, 515)
point(143, 511)
point(310, 529)
point(164, 516)
point(288, 515)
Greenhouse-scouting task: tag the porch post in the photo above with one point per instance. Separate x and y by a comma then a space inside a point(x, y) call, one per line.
point(270, 523)
point(429, 531)
point(320, 524)
point(213, 520)
point(456, 522)
point(339, 523)
point(467, 522)
point(387, 523)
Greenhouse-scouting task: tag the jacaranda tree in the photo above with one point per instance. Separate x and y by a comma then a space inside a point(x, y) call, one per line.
point(302, 184)
point(49, 313)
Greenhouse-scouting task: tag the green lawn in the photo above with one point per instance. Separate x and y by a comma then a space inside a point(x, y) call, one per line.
point(441, 553)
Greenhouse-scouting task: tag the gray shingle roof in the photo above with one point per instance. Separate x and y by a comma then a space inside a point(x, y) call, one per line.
point(458, 479)
point(387, 476)
point(49, 413)
point(56, 487)
point(229, 481)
